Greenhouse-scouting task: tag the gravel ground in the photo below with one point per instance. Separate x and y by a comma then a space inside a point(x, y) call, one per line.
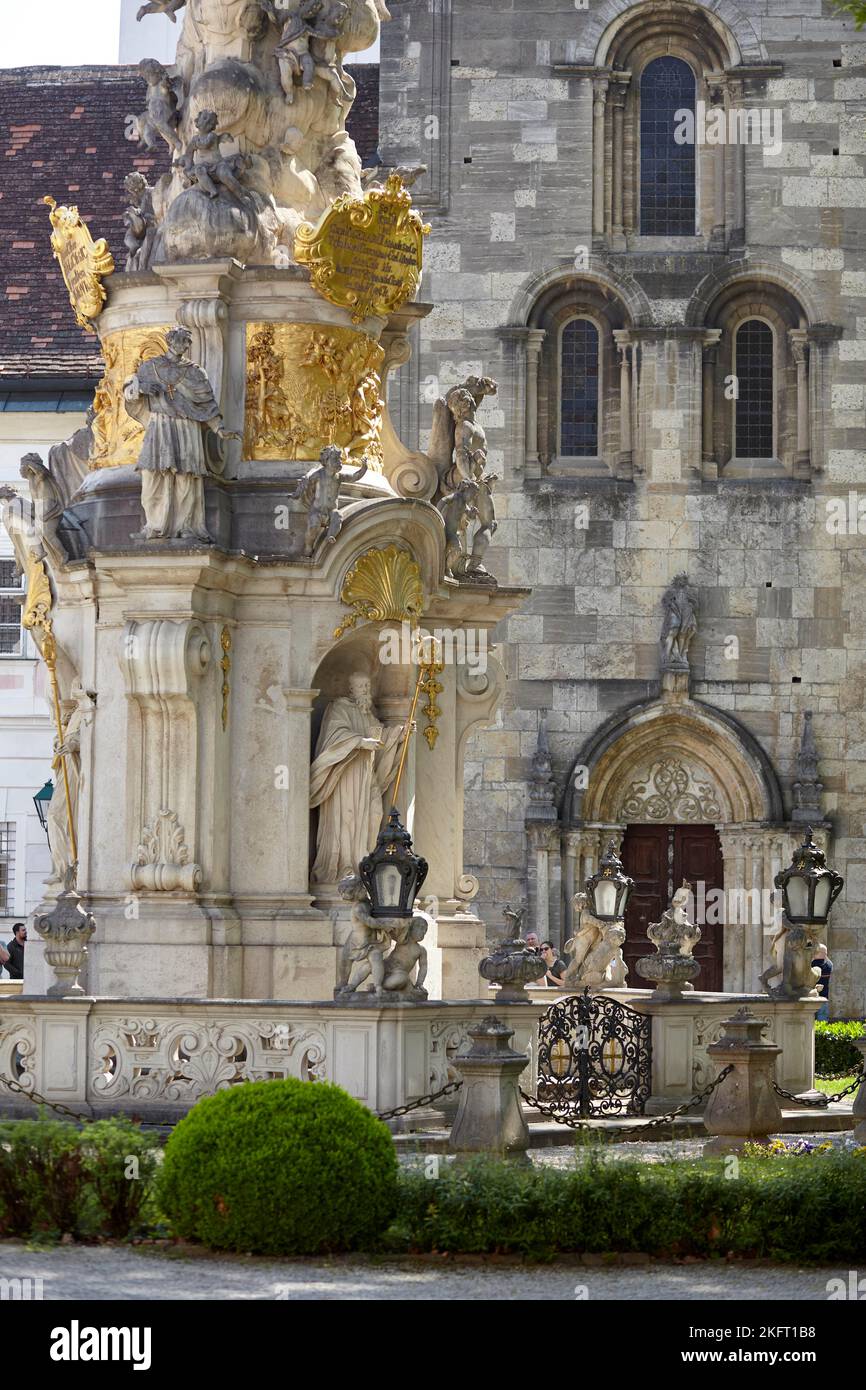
point(97, 1273)
point(565, 1156)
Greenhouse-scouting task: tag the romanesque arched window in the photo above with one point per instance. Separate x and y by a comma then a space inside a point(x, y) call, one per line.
point(579, 393)
point(755, 397)
point(667, 166)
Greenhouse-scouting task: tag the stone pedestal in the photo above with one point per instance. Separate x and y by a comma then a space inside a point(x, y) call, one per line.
point(489, 1118)
point(744, 1106)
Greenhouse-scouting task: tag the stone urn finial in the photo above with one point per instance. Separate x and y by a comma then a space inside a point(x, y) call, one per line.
point(513, 964)
point(66, 930)
point(674, 937)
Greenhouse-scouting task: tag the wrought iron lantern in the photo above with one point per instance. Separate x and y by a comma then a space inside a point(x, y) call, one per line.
point(41, 800)
point(809, 888)
point(609, 890)
point(392, 874)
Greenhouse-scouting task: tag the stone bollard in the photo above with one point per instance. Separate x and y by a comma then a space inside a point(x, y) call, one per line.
point(489, 1118)
point(744, 1107)
point(858, 1109)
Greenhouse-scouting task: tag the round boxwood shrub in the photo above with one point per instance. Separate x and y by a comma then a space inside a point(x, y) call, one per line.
point(280, 1168)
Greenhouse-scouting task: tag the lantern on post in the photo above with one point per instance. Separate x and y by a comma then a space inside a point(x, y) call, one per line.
point(809, 888)
point(392, 874)
point(609, 890)
point(41, 801)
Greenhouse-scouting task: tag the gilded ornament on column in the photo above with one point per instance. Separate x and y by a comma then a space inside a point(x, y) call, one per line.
point(431, 687)
point(365, 253)
point(309, 386)
point(225, 667)
point(383, 586)
point(82, 261)
point(117, 437)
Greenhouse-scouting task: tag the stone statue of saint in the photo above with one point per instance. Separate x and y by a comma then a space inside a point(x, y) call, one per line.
point(173, 399)
point(354, 765)
point(679, 626)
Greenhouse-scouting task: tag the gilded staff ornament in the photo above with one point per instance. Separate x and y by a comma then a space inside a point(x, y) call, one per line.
point(365, 253)
point(383, 586)
point(83, 262)
point(309, 386)
point(117, 437)
point(225, 667)
point(429, 671)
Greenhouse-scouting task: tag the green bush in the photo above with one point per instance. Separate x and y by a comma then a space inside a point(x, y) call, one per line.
point(57, 1179)
point(280, 1168)
point(771, 1210)
point(834, 1050)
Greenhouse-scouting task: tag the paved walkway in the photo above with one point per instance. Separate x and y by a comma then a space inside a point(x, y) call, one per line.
point(100, 1272)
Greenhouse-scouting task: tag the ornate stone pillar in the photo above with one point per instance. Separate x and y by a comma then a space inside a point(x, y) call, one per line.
point(797, 337)
point(716, 93)
point(618, 92)
point(710, 353)
point(534, 339)
point(625, 458)
point(733, 963)
point(599, 101)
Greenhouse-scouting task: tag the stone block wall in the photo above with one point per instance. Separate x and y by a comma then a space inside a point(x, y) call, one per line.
point(497, 99)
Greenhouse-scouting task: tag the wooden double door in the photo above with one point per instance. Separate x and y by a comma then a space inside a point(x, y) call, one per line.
point(658, 858)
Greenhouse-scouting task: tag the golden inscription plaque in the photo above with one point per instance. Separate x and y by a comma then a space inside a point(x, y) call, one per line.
point(82, 260)
point(309, 385)
point(365, 253)
point(117, 438)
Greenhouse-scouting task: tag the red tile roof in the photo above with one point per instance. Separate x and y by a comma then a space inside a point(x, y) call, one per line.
point(62, 133)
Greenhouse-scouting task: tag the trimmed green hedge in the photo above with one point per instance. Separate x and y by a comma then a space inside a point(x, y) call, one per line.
point(834, 1050)
point(57, 1179)
point(796, 1210)
point(280, 1168)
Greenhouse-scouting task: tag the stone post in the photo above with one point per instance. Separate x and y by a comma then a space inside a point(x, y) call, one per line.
point(489, 1118)
point(744, 1107)
point(859, 1108)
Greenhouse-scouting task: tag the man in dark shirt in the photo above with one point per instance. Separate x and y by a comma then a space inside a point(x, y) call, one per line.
point(556, 968)
point(824, 963)
point(15, 964)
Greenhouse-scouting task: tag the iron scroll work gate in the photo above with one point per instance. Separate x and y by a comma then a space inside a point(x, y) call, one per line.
point(595, 1056)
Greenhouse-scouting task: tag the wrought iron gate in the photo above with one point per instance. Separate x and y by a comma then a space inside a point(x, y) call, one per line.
point(595, 1056)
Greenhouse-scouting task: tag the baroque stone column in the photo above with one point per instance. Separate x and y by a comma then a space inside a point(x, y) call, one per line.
point(599, 101)
point(798, 339)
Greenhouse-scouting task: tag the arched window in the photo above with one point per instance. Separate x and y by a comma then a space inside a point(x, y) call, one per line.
point(753, 367)
point(578, 384)
point(667, 170)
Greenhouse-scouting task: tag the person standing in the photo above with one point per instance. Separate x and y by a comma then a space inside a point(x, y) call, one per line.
point(15, 959)
point(825, 965)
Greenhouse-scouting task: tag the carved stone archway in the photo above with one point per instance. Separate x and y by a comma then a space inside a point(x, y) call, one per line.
point(666, 762)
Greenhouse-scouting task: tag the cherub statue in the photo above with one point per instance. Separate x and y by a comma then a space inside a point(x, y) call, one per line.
point(307, 46)
point(319, 490)
point(486, 523)
point(514, 920)
point(204, 164)
point(407, 958)
point(596, 950)
point(139, 221)
point(363, 952)
point(679, 626)
point(160, 116)
point(458, 444)
point(374, 175)
point(458, 508)
point(792, 950)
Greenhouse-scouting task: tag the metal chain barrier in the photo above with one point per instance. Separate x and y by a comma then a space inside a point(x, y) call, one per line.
point(419, 1104)
point(574, 1123)
point(838, 1075)
point(824, 1101)
point(38, 1099)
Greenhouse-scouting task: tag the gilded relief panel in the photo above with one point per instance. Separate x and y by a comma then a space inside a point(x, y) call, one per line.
point(309, 385)
point(117, 438)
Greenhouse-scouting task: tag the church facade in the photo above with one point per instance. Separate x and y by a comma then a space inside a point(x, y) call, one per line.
point(649, 224)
